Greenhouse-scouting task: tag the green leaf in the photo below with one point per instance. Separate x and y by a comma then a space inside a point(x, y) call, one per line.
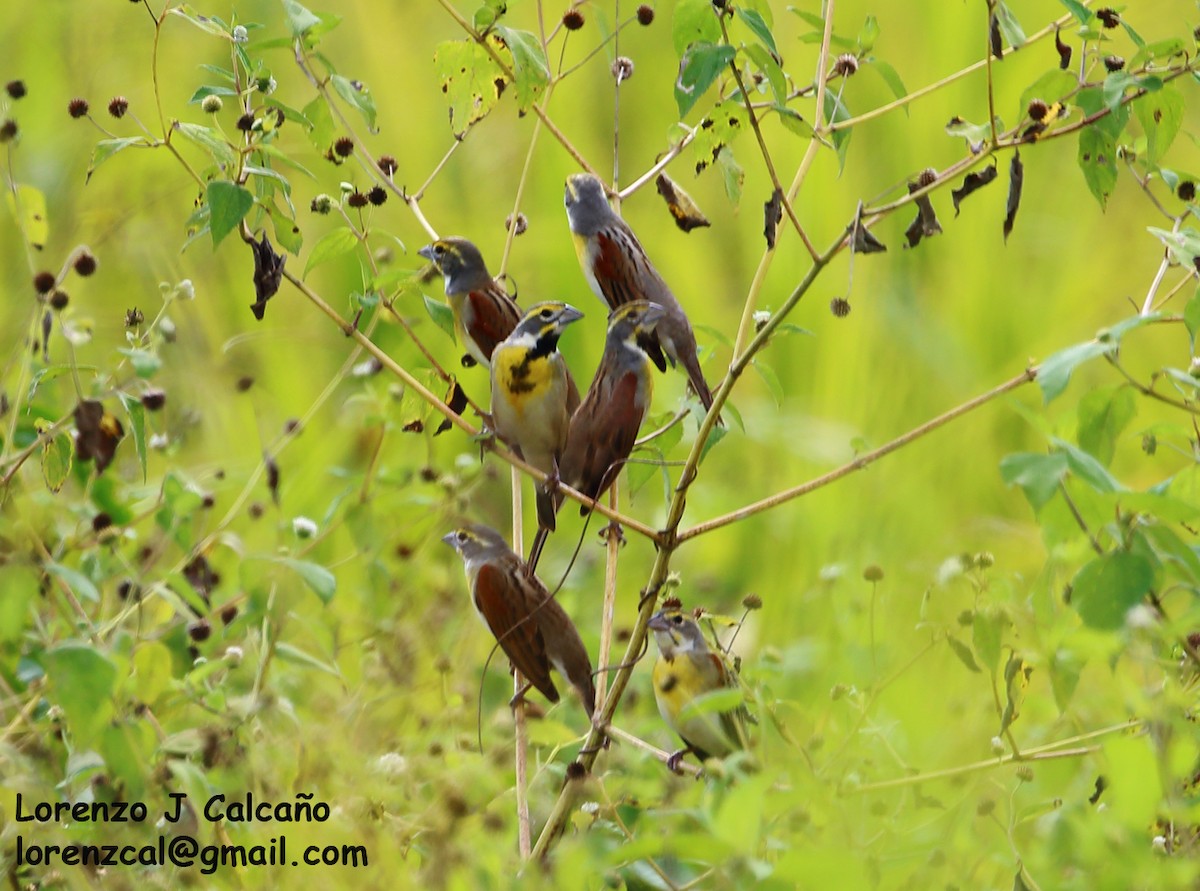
point(1065, 667)
point(1087, 469)
point(320, 124)
point(769, 68)
point(137, 424)
point(1103, 415)
point(1109, 586)
point(890, 77)
point(835, 112)
point(298, 656)
point(152, 671)
point(771, 379)
point(204, 92)
point(694, 22)
point(208, 139)
point(530, 72)
point(963, 652)
point(228, 205)
point(28, 205)
point(1161, 115)
point(754, 21)
point(1055, 372)
point(987, 628)
point(82, 682)
point(1098, 162)
point(1037, 475)
point(869, 34)
point(298, 17)
point(329, 246)
point(702, 64)
point(57, 453)
point(488, 14)
point(1078, 10)
point(442, 315)
point(1191, 317)
point(1009, 26)
point(714, 437)
point(357, 96)
point(732, 175)
point(204, 23)
point(792, 121)
point(469, 78)
point(318, 578)
point(1050, 88)
point(106, 148)
point(80, 584)
point(718, 128)
point(145, 362)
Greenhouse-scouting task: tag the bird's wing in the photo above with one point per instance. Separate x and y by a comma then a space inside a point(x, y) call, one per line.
point(493, 317)
point(503, 601)
point(602, 435)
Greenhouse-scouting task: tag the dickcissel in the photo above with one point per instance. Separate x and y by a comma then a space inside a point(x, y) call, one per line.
point(618, 270)
point(484, 313)
point(534, 395)
point(686, 672)
point(528, 623)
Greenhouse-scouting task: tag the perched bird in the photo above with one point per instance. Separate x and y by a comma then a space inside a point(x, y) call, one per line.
point(534, 395)
point(528, 623)
point(484, 314)
point(618, 270)
point(605, 426)
point(686, 671)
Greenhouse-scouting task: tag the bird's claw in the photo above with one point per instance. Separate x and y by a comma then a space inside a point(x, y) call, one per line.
point(673, 760)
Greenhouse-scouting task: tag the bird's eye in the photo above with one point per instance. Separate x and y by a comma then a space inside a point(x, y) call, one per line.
point(461, 537)
point(546, 313)
point(677, 619)
point(439, 249)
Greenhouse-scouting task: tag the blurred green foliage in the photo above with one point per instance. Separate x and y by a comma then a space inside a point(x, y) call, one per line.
point(955, 643)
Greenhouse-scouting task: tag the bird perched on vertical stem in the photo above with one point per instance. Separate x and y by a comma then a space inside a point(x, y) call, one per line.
point(531, 627)
point(605, 426)
point(618, 270)
point(686, 672)
point(484, 313)
point(534, 395)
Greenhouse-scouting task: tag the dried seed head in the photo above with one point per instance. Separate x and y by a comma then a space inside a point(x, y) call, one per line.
point(873, 573)
point(322, 203)
point(59, 299)
point(85, 263)
point(1038, 109)
point(645, 14)
point(1113, 63)
point(134, 317)
point(117, 106)
point(256, 510)
point(752, 602)
point(377, 195)
point(356, 199)
point(622, 68)
point(44, 282)
point(572, 19)
point(199, 631)
point(245, 123)
point(1186, 190)
point(77, 108)
point(521, 223)
point(101, 521)
point(927, 177)
point(153, 400)
point(344, 147)
point(1108, 17)
point(388, 165)
point(8, 130)
point(15, 88)
point(840, 307)
point(228, 613)
point(211, 104)
point(244, 383)
point(846, 65)
point(576, 771)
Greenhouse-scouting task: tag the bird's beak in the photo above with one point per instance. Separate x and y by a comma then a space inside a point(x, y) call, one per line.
point(568, 195)
point(569, 314)
point(448, 538)
point(653, 314)
point(658, 622)
point(427, 253)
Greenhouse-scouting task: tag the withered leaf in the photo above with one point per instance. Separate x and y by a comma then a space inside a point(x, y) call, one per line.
point(1016, 178)
point(863, 241)
point(997, 45)
point(684, 210)
point(268, 272)
point(926, 224)
point(96, 433)
point(456, 401)
point(201, 576)
point(772, 216)
point(973, 181)
point(47, 323)
point(272, 477)
point(1064, 51)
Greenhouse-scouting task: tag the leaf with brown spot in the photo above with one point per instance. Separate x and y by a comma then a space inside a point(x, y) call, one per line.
point(772, 216)
point(972, 183)
point(685, 211)
point(96, 433)
point(1016, 179)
